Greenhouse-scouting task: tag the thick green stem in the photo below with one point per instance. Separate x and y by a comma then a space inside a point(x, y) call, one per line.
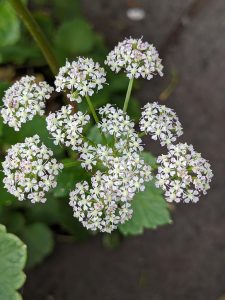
point(36, 33)
point(128, 94)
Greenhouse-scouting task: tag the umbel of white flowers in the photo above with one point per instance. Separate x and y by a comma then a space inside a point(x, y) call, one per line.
point(80, 78)
point(30, 170)
point(23, 100)
point(116, 166)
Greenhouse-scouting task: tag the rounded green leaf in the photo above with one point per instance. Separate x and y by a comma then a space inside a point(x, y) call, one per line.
point(39, 240)
point(150, 210)
point(75, 37)
point(12, 261)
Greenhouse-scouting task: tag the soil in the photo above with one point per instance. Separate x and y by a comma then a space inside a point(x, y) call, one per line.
point(185, 260)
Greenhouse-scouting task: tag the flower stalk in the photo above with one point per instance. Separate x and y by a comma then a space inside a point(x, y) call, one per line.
point(92, 109)
point(129, 89)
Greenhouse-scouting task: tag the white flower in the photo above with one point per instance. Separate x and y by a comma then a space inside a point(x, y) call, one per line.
point(106, 203)
point(119, 125)
point(30, 171)
point(66, 127)
point(161, 123)
point(23, 100)
point(183, 174)
point(115, 122)
point(81, 78)
point(95, 208)
point(87, 156)
point(136, 58)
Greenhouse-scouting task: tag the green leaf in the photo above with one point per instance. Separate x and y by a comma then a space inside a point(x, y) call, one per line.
point(2, 228)
point(134, 109)
point(75, 37)
point(47, 213)
point(12, 261)
point(36, 126)
point(68, 222)
point(9, 24)
point(94, 135)
point(150, 210)
point(67, 179)
point(118, 83)
point(149, 159)
point(39, 240)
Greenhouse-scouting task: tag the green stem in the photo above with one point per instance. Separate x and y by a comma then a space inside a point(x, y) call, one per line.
point(70, 164)
point(92, 109)
point(36, 33)
point(128, 94)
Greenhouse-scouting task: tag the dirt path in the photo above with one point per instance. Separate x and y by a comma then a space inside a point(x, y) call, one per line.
point(184, 261)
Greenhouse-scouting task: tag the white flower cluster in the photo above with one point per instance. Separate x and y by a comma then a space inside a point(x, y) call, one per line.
point(120, 134)
point(106, 203)
point(66, 127)
point(30, 171)
point(117, 170)
point(119, 125)
point(81, 78)
point(161, 123)
point(136, 58)
point(23, 100)
point(183, 174)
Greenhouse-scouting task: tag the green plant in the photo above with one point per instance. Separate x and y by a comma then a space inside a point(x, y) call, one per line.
point(22, 52)
point(117, 184)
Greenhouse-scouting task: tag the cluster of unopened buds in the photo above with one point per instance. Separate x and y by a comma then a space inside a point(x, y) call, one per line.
point(116, 165)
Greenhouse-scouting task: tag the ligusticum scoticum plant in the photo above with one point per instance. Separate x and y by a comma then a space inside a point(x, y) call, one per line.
point(116, 166)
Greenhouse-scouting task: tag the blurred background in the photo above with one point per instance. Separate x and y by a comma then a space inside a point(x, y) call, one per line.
point(185, 260)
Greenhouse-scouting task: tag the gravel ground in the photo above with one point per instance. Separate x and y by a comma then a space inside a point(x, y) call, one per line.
point(186, 260)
